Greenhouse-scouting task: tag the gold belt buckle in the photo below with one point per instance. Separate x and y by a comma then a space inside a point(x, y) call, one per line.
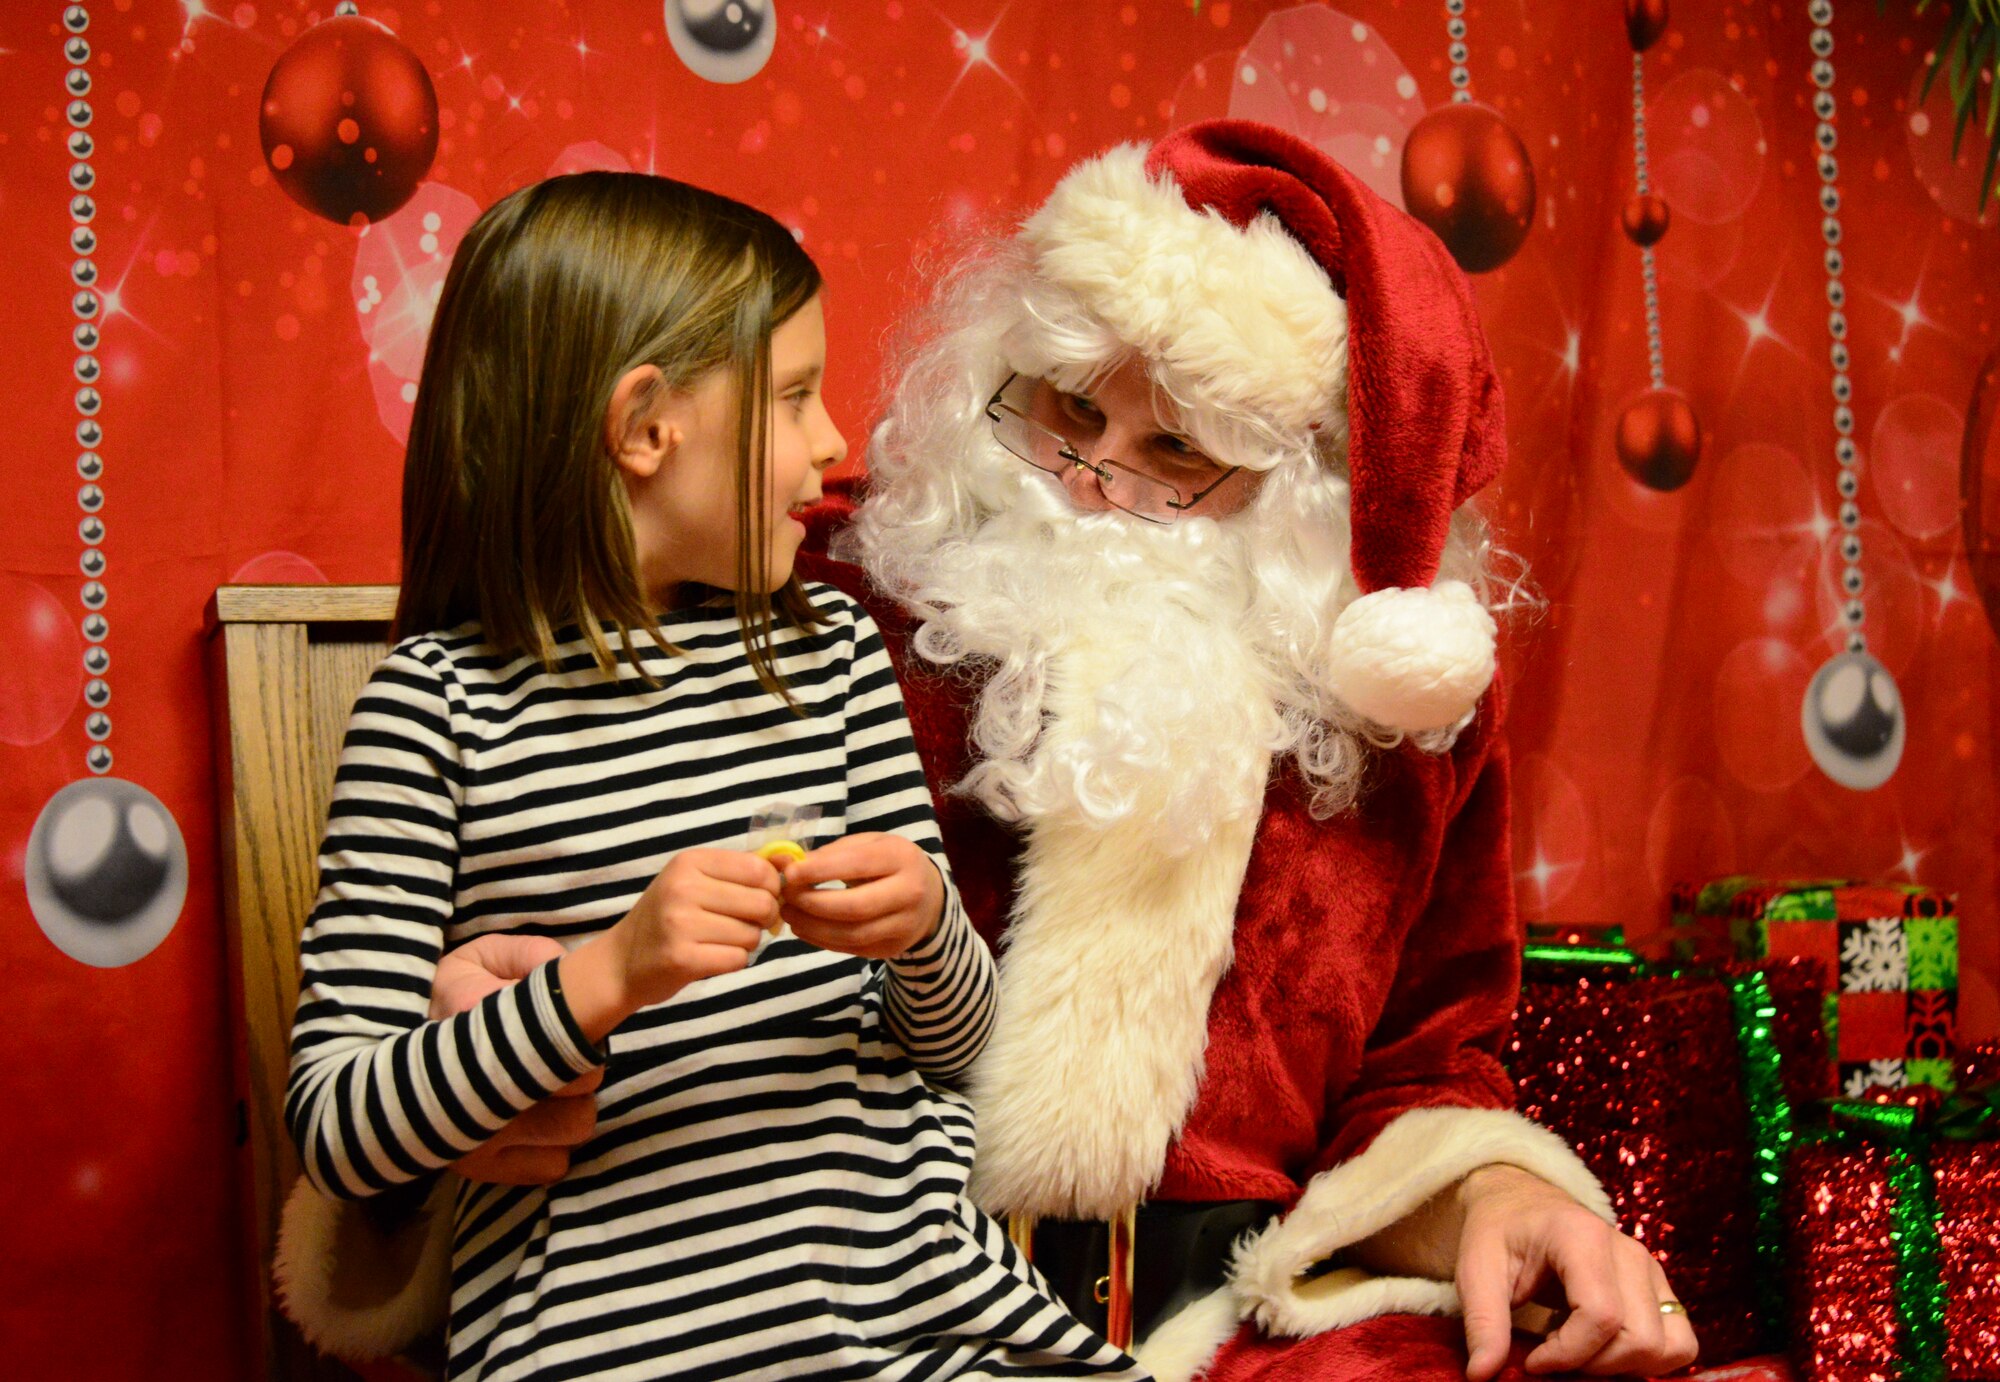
point(1113, 1290)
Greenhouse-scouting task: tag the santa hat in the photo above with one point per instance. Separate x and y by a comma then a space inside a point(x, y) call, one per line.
point(1270, 280)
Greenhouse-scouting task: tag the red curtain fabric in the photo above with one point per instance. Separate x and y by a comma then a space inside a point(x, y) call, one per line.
point(247, 386)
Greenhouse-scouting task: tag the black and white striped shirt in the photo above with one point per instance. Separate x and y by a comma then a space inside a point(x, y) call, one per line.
point(773, 1190)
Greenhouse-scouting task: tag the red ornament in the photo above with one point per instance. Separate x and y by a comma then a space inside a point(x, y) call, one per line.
point(1645, 21)
point(1645, 220)
point(1466, 175)
point(1659, 439)
point(349, 121)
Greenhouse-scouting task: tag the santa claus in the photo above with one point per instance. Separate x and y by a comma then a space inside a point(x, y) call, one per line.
point(1167, 529)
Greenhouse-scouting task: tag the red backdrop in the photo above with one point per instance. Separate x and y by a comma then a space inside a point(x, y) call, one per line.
point(254, 363)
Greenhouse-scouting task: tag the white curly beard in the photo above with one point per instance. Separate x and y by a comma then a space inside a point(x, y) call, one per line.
point(1139, 633)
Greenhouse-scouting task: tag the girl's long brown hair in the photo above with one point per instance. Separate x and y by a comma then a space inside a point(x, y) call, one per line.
point(514, 513)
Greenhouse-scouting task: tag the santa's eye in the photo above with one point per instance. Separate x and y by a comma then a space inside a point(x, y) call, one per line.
point(723, 41)
point(1079, 408)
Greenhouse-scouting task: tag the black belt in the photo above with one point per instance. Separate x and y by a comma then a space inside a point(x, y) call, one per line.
point(1179, 1253)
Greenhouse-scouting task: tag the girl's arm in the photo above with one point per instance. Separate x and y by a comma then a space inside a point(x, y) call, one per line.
point(942, 995)
point(378, 1095)
point(941, 991)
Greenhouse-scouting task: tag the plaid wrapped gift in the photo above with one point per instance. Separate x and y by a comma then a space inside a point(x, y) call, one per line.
point(1893, 948)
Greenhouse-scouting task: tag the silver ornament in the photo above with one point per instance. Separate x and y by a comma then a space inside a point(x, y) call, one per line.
point(723, 41)
point(1853, 721)
point(107, 871)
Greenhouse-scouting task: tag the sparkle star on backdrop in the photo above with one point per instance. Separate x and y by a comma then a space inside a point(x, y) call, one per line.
point(1544, 871)
point(975, 50)
point(1906, 863)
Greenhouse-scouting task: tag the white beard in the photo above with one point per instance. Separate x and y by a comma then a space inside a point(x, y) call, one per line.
point(1127, 687)
point(1128, 726)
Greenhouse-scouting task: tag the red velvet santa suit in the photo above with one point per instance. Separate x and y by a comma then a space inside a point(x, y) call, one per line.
point(1296, 1010)
point(1374, 972)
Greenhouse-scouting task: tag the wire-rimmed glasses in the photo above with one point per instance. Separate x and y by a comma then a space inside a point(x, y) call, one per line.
point(1125, 486)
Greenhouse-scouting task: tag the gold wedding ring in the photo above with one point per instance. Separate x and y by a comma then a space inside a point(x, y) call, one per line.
point(1672, 1307)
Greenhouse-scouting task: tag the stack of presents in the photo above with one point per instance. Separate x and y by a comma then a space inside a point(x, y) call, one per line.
point(1776, 1099)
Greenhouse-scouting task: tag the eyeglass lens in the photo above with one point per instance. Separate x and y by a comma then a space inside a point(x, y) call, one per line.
point(1032, 423)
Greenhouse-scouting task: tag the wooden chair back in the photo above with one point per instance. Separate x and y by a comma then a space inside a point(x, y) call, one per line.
point(286, 663)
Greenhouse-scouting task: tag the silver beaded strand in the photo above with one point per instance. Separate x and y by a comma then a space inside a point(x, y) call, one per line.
point(87, 305)
point(1656, 368)
point(1853, 717)
point(1454, 29)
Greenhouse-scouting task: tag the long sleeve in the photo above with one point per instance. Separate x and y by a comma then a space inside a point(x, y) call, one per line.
point(941, 994)
point(378, 1095)
point(1430, 1102)
point(1438, 1040)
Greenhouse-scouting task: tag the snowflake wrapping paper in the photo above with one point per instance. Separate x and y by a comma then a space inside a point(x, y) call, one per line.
point(1892, 948)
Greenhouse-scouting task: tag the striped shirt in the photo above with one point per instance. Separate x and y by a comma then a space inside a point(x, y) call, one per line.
point(776, 1184)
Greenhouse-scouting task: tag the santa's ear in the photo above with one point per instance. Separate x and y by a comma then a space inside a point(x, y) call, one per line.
point(638, 433)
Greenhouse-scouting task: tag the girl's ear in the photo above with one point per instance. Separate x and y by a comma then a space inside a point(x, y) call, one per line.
point(637, 431)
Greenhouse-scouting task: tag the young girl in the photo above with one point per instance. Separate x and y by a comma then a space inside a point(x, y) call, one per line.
point(605, 667)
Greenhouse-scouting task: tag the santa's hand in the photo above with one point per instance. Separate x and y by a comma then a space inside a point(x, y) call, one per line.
point(534, 1148)
point(1521, 1237)
point(892, 903)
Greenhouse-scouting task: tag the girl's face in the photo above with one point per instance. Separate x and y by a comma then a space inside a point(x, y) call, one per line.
point(680, 466)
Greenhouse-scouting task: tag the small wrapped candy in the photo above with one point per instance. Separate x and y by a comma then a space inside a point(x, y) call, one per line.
point(775, 834)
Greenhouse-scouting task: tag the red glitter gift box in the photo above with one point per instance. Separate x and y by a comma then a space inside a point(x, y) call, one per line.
point(1642, 1073)
point(1874, 1295)
point(1891, 950)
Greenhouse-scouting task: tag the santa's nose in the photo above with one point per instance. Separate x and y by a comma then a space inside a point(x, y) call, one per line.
point(1084, 487)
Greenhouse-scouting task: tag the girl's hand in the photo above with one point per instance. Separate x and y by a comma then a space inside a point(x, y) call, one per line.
point(533, 1149)
point(1521, 1236)
point(701, 916)
point(892, 903)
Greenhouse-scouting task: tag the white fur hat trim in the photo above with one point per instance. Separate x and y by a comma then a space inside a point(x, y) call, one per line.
point(1246, 314)
point(1413, 659)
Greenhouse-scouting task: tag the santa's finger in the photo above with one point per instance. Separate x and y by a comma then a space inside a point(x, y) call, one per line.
point(1589, 1281)
point(1640, 1346)
point(1682, 1345)
point(1484, 1288)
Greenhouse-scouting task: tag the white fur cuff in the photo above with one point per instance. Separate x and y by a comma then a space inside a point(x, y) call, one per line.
point(354, 1291)
point(1412, 1159)
point(1182, 1347)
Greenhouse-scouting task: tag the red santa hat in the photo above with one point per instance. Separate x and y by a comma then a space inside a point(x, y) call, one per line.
point(1269, 280)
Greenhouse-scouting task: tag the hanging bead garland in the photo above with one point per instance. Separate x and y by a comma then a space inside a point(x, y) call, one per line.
point(1852, 717)
point(88, 306)
point(105, 870)
point(1659, 436)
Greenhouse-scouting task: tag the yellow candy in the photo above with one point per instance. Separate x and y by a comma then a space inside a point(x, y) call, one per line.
point(781, 849)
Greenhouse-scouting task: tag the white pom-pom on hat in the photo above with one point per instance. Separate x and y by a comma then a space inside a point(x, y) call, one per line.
point(1413, 659)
